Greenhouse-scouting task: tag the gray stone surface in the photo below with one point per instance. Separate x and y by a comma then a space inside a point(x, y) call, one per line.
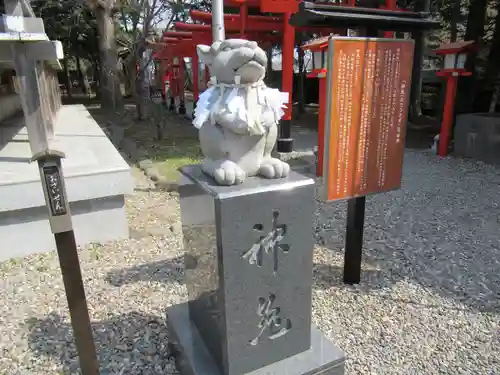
point(9, 105)
point(93, 168)
point(249, 266)
point(193, 358)
point(96, 220)
point(96, 176)
point(477, 136)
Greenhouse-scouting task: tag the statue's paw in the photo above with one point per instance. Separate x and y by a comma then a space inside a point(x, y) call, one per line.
point(274, 168)
point(229, 173)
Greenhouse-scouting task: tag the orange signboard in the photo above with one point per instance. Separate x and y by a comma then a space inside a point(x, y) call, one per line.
point(368, 93)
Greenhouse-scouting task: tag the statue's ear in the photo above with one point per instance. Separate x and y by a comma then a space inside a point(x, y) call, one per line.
point(205, 53)
point(215, 47)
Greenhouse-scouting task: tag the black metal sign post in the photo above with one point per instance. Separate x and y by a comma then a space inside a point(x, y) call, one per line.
point(354, 239)
point(54, 190)
point(371, 20)
point(355, 227)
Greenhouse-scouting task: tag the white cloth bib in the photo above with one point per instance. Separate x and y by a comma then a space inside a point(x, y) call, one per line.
point(248, 102)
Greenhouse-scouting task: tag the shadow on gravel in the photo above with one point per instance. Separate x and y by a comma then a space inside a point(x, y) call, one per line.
point(440, 232)
point(326, 276)
point(168, 271)
point(133, 343)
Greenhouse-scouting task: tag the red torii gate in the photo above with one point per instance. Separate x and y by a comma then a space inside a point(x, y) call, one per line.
point(187, 36)
point(286, 8)
point(183, 44)
point(243, 21)
point(175, 50)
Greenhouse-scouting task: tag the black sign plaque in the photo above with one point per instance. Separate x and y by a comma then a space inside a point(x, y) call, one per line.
point(52, 177)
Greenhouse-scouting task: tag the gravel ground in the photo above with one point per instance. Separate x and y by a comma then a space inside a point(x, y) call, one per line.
point(429, 299)
point(128, 286)
point(428, 303)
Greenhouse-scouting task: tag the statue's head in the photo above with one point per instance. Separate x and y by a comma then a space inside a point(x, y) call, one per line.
point(234, 57)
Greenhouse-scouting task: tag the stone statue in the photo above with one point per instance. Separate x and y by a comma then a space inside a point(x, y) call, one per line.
point(237, 115)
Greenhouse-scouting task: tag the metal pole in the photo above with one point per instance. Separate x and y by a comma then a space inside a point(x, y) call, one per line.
point(285, 140)
point(354, 240)
point(218, 32)
point(355, 224)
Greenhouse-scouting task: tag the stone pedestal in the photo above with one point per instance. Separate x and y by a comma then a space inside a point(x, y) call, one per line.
point(477, 136)
point(249, 277)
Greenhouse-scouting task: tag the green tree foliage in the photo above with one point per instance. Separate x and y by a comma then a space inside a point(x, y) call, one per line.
point(71, 22)
point(75, 24)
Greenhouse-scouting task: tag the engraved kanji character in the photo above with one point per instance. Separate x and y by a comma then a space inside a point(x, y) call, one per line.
point(271, 242)
point(271, 320)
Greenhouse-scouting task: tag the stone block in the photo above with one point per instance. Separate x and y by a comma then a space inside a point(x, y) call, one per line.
point(248, 268)
point(477, 136)
point(193, 357)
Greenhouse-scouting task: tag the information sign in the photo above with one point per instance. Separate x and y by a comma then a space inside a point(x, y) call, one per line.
point(368, 93)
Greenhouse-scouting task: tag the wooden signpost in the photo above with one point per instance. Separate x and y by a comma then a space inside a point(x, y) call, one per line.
point(369, 82)
point(25, 45)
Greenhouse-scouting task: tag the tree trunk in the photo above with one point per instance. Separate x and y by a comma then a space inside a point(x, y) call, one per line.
point(84, 83)
point(455, 19)
point(416, 85)
point(111, 98)
point(475, 32)
point(131, 75)
point(492, 69)
point(418, 58)
point(97, 79)
point(128, 73)
point(141, 95)
point(67, 78)
point(494, 97)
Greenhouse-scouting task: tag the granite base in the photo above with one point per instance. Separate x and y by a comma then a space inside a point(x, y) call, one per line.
point(193, 357)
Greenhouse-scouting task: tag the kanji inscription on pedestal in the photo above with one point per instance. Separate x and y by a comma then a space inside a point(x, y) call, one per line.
point(270, 243)
point(369, 83)
point(271, 320)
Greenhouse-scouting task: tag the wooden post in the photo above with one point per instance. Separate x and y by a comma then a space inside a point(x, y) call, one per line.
point(28, 72)
point(40, 100)
point(39, 115)
point(448, 115)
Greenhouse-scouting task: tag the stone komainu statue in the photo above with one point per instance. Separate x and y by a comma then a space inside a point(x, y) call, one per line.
point(237, 116)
